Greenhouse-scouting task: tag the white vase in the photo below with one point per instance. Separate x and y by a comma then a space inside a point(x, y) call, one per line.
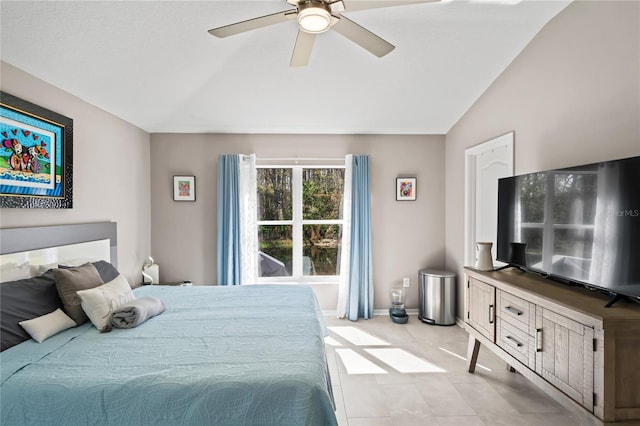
point(483, 259)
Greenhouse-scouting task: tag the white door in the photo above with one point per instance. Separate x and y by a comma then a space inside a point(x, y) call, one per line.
point(484, 165)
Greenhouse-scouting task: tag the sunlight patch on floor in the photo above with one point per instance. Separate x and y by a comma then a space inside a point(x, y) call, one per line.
point(358, 337)
point(463, 358)
point(404, 361)
point(331, 341)
point(357, 364)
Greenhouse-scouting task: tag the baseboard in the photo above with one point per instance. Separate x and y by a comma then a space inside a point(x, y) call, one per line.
point(376, 312)
point(386, 312)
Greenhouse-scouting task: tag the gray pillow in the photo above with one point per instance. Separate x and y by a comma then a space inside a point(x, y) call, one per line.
point(107, 271)
point(69, 281)
point(24, 300)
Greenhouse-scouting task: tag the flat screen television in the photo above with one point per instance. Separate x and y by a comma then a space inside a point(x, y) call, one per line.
point(579, 225)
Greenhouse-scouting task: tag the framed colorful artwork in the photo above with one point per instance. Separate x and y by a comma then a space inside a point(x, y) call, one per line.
point(36, 156)
point(405, 189)
point(184, 188)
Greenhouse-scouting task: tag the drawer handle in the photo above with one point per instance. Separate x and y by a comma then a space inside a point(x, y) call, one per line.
point(518, 344)
point(514, 310)
point(538, 340)
point(490, 314)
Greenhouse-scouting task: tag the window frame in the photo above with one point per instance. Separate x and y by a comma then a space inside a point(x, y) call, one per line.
point(297, 223)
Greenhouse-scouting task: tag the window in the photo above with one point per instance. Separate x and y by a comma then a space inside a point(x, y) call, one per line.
point(300, 222)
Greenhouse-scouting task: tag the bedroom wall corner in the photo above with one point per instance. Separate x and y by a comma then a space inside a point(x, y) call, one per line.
point(111, 169)
point(572, 97)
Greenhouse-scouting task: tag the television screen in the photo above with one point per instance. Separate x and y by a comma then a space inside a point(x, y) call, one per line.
point(580, 224)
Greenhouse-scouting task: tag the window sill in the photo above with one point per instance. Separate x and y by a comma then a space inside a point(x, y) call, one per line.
point(299, 281)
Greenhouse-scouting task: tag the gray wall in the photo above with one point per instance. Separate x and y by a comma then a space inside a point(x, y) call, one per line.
point(572, 96)
point(110, 171)
point(407, 235)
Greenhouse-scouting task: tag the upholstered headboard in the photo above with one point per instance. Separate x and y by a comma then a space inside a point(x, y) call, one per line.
point(15, 241)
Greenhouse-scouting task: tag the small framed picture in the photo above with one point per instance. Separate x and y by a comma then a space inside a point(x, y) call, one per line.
point(405, 189)
point(184, 188)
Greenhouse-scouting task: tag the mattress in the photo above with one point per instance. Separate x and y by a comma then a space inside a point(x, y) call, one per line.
point(247, 355)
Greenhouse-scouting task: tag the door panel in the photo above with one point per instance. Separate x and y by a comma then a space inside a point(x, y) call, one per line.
point(482, 313)
point(484, 165)
point(490, 166)
point(566, 356)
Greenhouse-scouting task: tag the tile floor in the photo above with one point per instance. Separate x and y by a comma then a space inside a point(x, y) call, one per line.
point(450, 396)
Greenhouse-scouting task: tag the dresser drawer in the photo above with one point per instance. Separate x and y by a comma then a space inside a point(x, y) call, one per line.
point(516, 311)
point(516, 342)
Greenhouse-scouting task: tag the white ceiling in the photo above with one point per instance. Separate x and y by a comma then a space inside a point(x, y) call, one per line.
point(153, 64)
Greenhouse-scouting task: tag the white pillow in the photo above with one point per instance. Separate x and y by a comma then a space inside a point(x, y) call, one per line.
point(43, 327)
point(99, 302)
point(14, 272)
point(41, 269)
point(72, 263)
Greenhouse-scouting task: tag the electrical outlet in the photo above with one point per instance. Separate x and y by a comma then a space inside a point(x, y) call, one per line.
point(406, 282)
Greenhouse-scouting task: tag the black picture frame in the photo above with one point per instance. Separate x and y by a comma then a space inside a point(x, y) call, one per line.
point(36, 156)
point(184, 188)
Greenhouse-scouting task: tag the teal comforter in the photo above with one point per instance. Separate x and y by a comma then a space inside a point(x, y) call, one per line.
point(248, 355)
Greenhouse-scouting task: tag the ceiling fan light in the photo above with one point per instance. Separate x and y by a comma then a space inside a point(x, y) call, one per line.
point(314, 20)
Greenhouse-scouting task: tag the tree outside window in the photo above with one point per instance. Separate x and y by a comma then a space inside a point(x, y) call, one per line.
point(300, 222)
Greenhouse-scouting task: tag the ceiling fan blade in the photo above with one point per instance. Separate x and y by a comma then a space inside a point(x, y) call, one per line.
point(353, 5)
point(252, 24)
point(302, 49)
point(363, 37)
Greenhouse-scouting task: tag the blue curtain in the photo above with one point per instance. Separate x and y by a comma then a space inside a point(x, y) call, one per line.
point(229, 259)
point(360, 302)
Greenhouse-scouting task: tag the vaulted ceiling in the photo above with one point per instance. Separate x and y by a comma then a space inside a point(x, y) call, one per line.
point(153, 63)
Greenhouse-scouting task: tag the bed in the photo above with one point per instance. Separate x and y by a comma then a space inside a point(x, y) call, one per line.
point(248, 355)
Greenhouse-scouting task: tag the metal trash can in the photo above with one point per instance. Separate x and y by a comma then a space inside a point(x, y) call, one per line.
point(437, 294)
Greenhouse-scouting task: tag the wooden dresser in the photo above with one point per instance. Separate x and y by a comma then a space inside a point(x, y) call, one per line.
point(560, 337)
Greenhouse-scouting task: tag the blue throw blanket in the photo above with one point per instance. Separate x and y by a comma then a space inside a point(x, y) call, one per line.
point(136, 312)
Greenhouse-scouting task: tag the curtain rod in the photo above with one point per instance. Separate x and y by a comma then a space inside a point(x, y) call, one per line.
point(300, 158)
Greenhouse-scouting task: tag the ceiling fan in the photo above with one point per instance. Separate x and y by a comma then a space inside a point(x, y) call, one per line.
point(317, 16)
